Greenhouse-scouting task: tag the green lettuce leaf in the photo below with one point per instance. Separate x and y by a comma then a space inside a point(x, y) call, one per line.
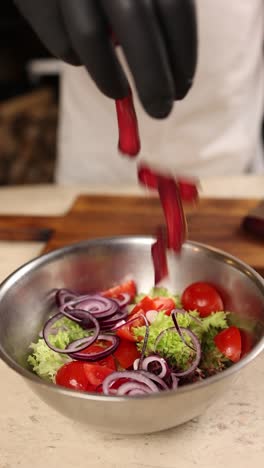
point(172, 348)
point(171, 345)
point(46, 362)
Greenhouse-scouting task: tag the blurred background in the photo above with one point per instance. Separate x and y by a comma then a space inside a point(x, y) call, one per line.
point(29, 81)
point(29, 90)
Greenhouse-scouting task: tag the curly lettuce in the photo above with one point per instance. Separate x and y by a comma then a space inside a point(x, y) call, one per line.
point(171, 346)
point(46, 362)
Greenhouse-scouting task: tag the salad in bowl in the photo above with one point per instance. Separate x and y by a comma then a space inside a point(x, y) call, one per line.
point(121, 342)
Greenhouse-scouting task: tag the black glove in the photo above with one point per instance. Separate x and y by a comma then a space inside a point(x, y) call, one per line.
point(158, 37)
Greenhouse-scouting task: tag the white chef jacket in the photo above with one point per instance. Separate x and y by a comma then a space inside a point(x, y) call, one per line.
point(215, 130)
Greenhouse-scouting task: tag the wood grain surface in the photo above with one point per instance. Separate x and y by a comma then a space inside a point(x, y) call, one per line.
point(216, 222)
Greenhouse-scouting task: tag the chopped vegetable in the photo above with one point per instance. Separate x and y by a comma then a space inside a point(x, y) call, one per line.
point(202, 297)
point(126, 331)
point(172, 192)
point(159, 256)
point(166, 304)
point(126, 353)
point(173, 211)
point(129, 142)
point(82, 376)
point(158, 292)
point(128, 287)
point(228, 342)
point(147, 303)
point(46, 362)
point(171, 345)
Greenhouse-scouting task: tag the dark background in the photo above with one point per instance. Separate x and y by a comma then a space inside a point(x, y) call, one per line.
point(28, 107)
point(18, 45)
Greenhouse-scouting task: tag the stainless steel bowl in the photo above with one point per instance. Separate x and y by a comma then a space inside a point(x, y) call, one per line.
point(25, 301)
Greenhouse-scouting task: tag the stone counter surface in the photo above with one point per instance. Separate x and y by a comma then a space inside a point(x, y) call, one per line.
point(33, 435)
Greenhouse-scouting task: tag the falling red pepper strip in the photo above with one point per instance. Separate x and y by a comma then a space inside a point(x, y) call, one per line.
point(188, 191)
point(171, 193)
point(150, 179)
point(159, 258)
point(172, 206)
point(129, 142)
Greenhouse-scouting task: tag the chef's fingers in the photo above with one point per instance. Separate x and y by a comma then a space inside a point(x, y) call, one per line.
point(45, 18)
point(138, 31)
point(179, 27)
point(91, 39)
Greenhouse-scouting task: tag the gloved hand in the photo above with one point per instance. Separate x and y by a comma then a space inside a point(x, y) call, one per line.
point(158, 37)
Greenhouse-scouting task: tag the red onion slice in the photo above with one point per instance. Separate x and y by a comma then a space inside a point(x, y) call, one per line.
point(64, 295)
point(151, 316)
point(133, 388)
point(155, 378)
point(135, 364)
point(91, 357)
point(133, 376)
point(155, 361)
point(77, 345)
point(137, 392)
point(174, 381)
point(110, 323)
point(100, 307)
point(178, 328)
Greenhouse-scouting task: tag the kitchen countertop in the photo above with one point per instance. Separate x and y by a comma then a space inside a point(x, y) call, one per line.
point(32, 434)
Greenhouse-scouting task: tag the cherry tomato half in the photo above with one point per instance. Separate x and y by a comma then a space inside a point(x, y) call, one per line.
point(98, 347)
point(82, 376)
point(144, 305)
point(72, 375)
point(158, 303)
point(96, 374)
point(126, 353)
point(228, 342)
point(128, 287)
point(166, 304)
point(125, 332)
point(202, 297)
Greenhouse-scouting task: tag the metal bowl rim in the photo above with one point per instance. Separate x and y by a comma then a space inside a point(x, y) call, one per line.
point(47, 257)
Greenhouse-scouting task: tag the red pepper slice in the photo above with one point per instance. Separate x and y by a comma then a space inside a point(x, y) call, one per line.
point(188, 191)
point(171, 192)
point(129, 141)
point(159, 258)
point(173, 211)
point(150, 179)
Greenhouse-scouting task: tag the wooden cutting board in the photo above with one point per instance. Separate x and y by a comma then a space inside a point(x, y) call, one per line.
point(216, 222)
